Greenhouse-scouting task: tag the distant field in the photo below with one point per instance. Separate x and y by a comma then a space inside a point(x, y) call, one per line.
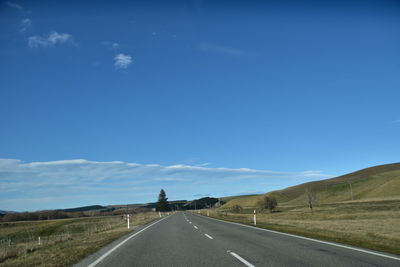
point(368, 224)
point(63, 241)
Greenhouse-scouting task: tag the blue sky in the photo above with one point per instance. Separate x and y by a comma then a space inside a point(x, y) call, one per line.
point(223, 97)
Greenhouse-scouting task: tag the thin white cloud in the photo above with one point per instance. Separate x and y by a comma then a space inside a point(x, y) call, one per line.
point(171, 179)
point(52, 39)
point(219, 49)
point(112, 45)
point(83, 182)
point(14, 5)
point(25, 25)
point(122, 61)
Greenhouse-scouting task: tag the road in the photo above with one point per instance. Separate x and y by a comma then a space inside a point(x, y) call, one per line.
point(185, 239)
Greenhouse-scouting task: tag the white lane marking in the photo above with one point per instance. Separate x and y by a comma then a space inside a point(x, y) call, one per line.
point(241, 259)
point(195, 226)
point(209, 236)
point(120, 244)
point(309, 239)
point(190, 222)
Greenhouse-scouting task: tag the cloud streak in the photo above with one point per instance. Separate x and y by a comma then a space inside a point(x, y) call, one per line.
point(122, 61)
point(26, 186)
point(219, 49)
point(14, 5)
point(25, 25)
point(112, 45)
point(54, 38)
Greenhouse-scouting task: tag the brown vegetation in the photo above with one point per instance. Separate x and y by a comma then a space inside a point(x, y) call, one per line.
point(361, 209)
point(267, 203)
point(58, 214)
point(63, 241)
point(373, 225)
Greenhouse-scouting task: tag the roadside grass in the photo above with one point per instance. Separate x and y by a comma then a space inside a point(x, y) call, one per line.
point(372, 225)
point(64, 241)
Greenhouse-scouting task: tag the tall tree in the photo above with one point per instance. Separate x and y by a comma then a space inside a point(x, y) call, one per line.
point(162, 204)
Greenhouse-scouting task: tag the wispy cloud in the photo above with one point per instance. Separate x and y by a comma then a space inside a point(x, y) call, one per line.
point(25, 25)
point(112, 45)
point(14, 5)
point(81, 182)
point(122, 61)
point(172, 179)
point(219, 49)
point(52, 39)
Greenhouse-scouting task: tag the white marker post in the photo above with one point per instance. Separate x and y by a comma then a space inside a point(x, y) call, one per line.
point(128, 222)
point(255, 218)
point(39, 241)
point(159, 214)
point(208, 213)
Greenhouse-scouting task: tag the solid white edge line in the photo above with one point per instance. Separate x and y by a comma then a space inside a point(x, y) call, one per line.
point(209, 236)
point(120, 244)
point(309, 239)
point(241, 259)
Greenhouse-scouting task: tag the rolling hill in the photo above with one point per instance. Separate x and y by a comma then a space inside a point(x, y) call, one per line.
point(375, 183)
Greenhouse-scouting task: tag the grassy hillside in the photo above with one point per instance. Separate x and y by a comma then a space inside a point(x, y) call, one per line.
point(244, 201)
point(371, 184)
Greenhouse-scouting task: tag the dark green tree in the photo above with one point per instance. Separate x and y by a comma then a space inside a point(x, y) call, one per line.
point(162, 204)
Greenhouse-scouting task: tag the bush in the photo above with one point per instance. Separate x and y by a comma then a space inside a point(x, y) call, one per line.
point(267, 203)
point(237, 208)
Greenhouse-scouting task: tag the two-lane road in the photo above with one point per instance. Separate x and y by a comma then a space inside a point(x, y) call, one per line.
point(185, 239)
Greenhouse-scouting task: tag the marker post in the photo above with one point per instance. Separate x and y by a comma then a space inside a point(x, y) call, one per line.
point(255, 218)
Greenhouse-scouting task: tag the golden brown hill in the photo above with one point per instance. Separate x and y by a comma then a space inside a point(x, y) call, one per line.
point(375, 183)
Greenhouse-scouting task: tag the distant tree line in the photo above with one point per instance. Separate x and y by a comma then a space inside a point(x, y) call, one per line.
point(202, 203)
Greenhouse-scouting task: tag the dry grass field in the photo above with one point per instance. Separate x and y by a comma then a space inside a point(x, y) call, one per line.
point(360, 208)
point(64, 241)
point(369, 224)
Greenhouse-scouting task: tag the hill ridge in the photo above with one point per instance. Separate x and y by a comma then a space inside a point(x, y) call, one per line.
point(377, 182)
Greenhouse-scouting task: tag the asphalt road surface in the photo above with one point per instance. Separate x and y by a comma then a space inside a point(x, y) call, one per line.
point(185, 239)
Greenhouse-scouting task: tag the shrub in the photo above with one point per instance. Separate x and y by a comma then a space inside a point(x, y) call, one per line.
point(237, 208)
point(267, 203)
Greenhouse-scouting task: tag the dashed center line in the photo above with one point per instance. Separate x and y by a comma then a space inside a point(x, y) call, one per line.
point(241, 259)
point(209, 236)
point(195, 226)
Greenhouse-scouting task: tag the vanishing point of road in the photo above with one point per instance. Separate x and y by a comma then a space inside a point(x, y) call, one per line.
point(186, 239)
